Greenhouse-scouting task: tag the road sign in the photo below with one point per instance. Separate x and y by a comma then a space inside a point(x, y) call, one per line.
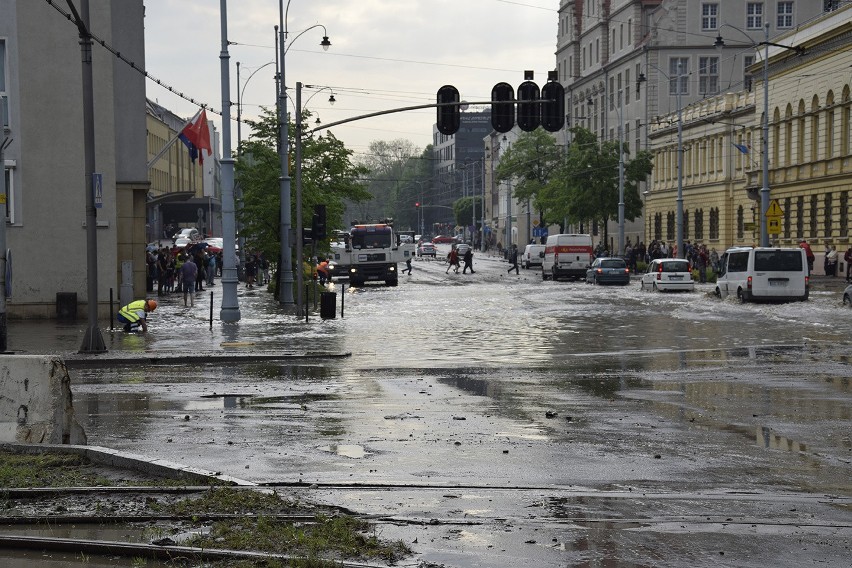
point(773, 225)
point(535, 222)
point(98, 189)
point(774, 210)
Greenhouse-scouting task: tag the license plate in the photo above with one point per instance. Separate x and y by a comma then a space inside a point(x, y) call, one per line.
point(777, 282)
point(676, 277)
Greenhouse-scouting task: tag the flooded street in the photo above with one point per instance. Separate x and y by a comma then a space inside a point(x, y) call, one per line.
point(503, 421)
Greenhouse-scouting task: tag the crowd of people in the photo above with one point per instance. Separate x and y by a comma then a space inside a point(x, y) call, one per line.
point(166, 269)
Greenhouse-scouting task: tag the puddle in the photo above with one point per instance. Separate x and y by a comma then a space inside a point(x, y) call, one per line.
point(352, 451)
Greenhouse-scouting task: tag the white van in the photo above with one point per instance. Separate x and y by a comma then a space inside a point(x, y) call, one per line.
point(532, 256)
point(764, 274)
point(566, 256)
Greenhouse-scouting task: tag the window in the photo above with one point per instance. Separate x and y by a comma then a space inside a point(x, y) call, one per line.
point(4, 100)
point(827, 217)
point(708, 75)
point(754, 15)
point(638, 85)
point(658, 226)
point(748, 79)
point(785, 15)
point(8, 168)
point(787, 203)
point(740, 222)
point(709, 16)
point(714, 223)
point(699, 224)
point(612, 93)
point(679, 76)
point(813, 216)
point(844, 215)
point(627, 87)
point(670, 226)
point(800, 217)
point(620, 90)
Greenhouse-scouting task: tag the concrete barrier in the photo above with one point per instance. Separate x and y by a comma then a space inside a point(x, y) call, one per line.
point(36, 405)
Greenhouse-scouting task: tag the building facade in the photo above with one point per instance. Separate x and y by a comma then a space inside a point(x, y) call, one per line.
point(46, 182)
point(625, 62)
point(183, 192)
point(809, 143)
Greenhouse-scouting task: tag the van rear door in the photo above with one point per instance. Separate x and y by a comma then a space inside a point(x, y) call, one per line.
point(779, 273)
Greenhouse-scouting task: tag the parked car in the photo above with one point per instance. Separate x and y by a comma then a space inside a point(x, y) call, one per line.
point(426, 249)
point(444, 239)
point(608, 270)
point(666, 274)
point(191, 234)
point(847, 296)
point(533, 256)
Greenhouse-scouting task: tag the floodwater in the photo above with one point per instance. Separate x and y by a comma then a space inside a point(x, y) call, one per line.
point(505, 421)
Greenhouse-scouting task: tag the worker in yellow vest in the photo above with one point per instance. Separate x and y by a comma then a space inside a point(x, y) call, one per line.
point(134, 314)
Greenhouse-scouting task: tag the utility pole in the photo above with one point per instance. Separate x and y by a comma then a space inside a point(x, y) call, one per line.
point(93, 342)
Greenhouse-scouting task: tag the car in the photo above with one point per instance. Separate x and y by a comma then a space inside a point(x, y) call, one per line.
point(847, 296)
point(190, 233)
point(608, 270)
point(426, 249)
point(462, 248)
point(444, 239)
point(764, 274)
point(533, 256)
point(668, 274)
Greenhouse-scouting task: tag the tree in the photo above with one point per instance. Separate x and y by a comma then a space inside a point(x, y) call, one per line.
point(463, 210)
point(532, 162)
point(589, 177)
point(387, 167)
point(328, 176)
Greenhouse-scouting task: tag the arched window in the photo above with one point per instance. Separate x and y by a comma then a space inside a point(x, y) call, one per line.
point(788, 135)
point(685, 227)
point(800, 134)
point(670, 226)
point(827, 213)
point(800, 217)
point(699, 224)
point(845, 132)
point(658, 226)
point(815, 129)
point(740, 222)
point(787, 215)
point(776, 138)
point(844, 214)
point(813, 216)
point(829, 126)
point(714, 223)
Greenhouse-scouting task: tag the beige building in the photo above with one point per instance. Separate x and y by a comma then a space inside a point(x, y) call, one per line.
point(810, 167)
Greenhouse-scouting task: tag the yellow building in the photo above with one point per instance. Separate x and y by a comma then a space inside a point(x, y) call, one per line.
point(810, 167)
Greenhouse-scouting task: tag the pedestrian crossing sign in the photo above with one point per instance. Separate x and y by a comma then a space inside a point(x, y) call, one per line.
point(98, 189)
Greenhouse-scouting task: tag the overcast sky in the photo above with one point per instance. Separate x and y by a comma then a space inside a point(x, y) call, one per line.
point(384, 54)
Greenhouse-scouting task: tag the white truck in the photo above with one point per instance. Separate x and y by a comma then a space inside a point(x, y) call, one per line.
point(566, 255)
point(374, 253)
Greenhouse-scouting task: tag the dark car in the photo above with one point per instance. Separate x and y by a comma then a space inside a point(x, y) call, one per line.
point(608, 270)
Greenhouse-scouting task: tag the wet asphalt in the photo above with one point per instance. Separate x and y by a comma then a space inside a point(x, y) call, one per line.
point(498, 420)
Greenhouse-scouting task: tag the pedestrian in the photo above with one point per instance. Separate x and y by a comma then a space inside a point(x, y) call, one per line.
point(322, 272)
point(848, 258)
point(808, 254)
point(831, 261)
point(188, 274)
point(251, 270)
point(701, 261)
point(134, 315)
point(468, 261)
point(200, 262)
point(714, 260)
point(407, 266)
point(211, 269)
point(453, 260)
point(513, 260)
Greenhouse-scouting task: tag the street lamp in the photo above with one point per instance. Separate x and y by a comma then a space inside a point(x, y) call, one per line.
point(285, 268)
point(678, 91)
point(764, 192)
point(299, 228)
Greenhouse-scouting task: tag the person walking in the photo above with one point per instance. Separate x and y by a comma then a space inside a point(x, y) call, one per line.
point(188, 274)
point(848, 258)
point(831, 261)
point(809, 254)
point(513, 260)
point(468, 261)
point(211, 269)
point(453, 260)
point(407, 266)
point(133, 315)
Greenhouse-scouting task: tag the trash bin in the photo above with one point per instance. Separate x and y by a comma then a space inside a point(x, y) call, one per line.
point(66, 305)
point(328, 305)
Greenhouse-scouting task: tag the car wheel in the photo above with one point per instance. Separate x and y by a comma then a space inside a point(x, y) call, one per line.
point(554, 275)
point(741, 295)
point(847, 300)
point(543, 275)
point(655, 287)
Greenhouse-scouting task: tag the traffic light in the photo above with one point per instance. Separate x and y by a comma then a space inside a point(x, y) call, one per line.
point(502, 107)
point(417, 204)
point(318, 226)
point(307, 236)
point(448, 115)
point(529, 113)
point(553, 106)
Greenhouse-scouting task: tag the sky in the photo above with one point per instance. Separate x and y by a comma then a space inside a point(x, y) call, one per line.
point(384, 54)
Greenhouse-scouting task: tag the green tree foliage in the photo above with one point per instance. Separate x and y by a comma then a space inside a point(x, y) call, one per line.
point(590, 180)
point(328, 176)
point(390, 165)
point(463, 210)
point(532, 163)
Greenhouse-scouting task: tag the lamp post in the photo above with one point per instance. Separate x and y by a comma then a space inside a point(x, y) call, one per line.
point(230, 310)
point(764, 191)
point(300, 285)
point(285, 268)
point(679, 206)
point(620, 177)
